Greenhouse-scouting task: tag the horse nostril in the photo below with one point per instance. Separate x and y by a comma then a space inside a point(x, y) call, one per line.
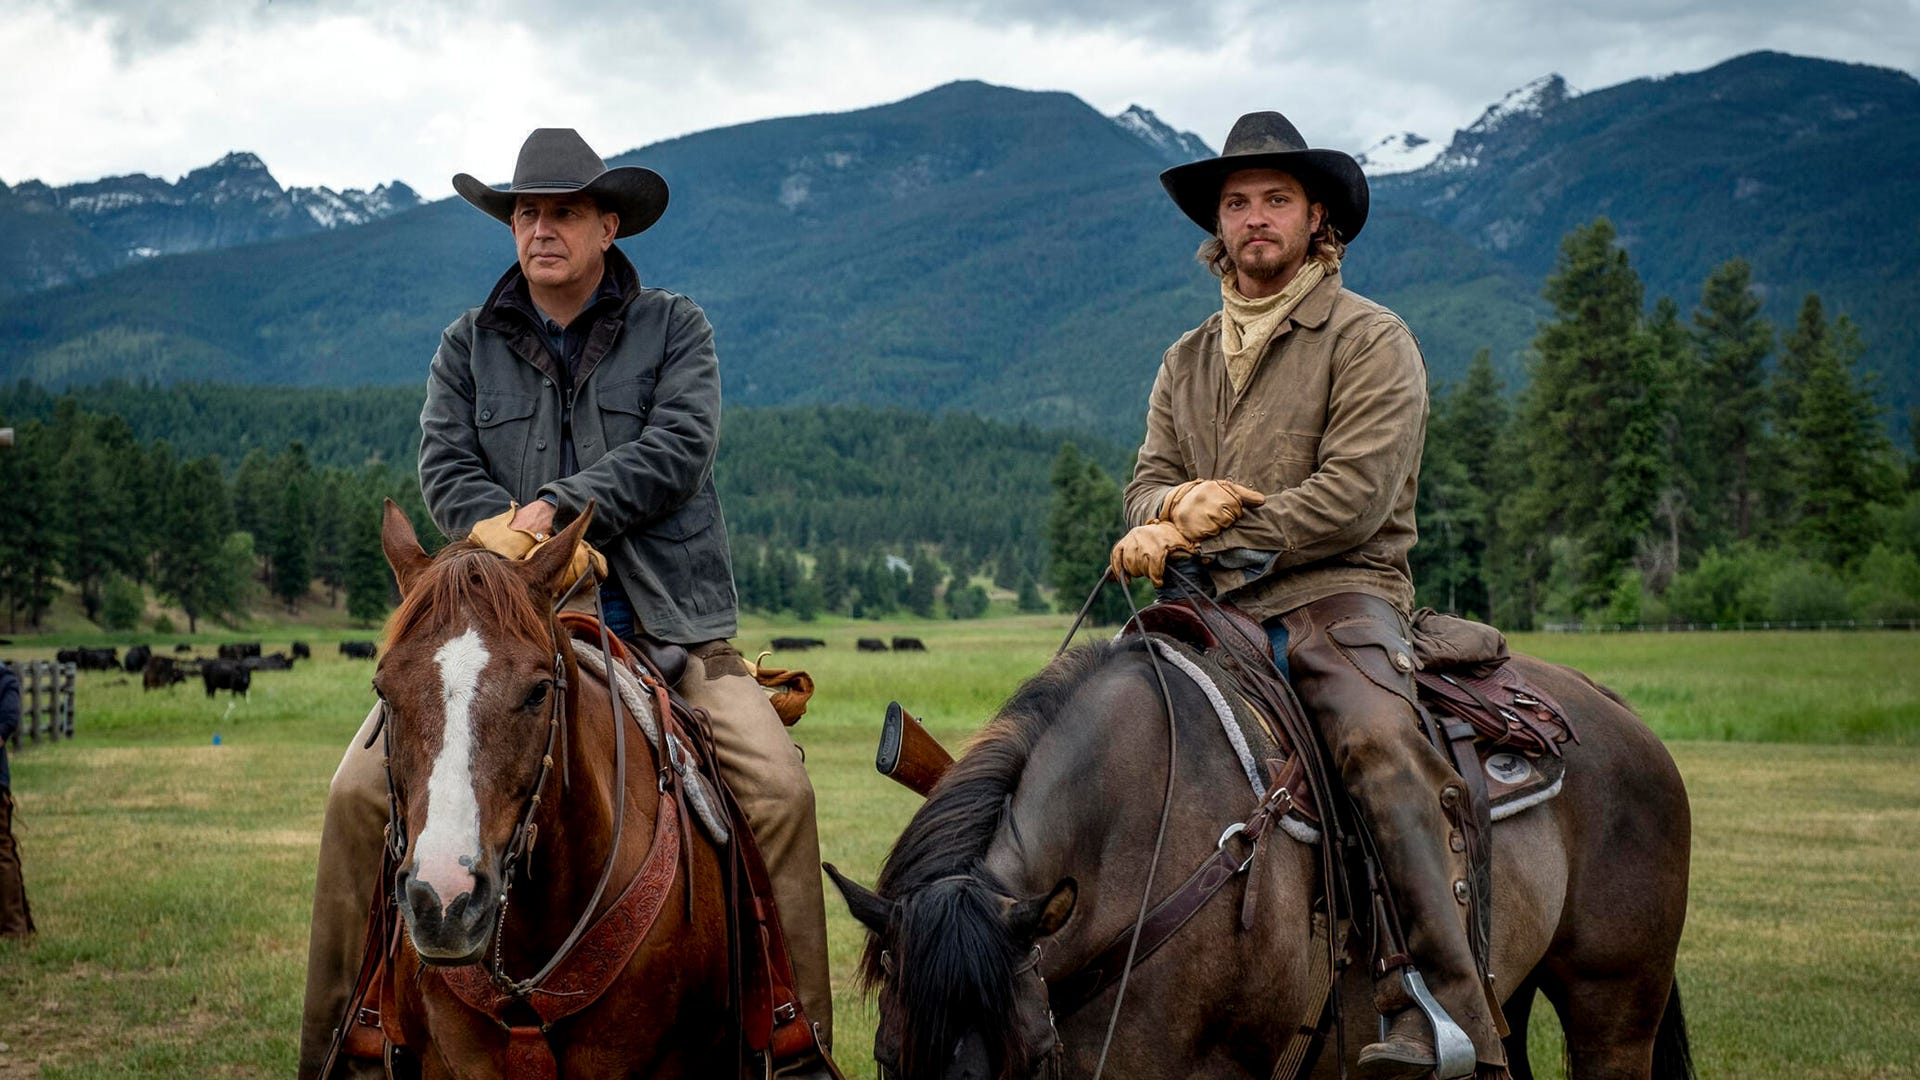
point(419, 896)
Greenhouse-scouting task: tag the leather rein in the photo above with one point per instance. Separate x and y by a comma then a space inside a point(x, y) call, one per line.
point(1115, 962)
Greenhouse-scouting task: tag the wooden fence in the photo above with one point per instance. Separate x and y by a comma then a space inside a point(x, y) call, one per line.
point(46, 700)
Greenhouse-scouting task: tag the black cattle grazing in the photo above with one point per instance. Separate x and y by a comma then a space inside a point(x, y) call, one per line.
point(239, 650)
point(909, 644)
point(137, 658)
point(359, 650)
point(183, 647)
point(275, 662)
point(230, 675)
point(796, 644)
point(301, 652)
point(90, 659)
point(160, 672)
point(871, 644)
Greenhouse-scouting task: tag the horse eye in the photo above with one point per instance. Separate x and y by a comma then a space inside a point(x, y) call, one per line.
point(537, 696)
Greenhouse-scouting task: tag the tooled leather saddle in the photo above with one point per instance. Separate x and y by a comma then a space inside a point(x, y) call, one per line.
point(1463, 677)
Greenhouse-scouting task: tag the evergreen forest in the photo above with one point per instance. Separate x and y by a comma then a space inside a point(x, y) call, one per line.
point(1660, 466)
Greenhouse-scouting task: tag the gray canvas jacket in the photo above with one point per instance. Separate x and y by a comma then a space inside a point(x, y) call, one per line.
point(645, 408)
point(1330, 428)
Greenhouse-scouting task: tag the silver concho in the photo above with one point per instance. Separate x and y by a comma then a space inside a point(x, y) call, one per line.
point(1508, 768)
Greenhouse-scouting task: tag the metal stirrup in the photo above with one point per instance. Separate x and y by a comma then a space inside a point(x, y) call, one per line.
point(1450, 1044)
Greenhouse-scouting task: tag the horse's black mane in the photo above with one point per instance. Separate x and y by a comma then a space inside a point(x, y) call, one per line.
point(952, 831)
point(955, 955)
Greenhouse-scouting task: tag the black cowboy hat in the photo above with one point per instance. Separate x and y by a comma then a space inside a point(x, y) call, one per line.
point(557, 161)
point(1267, 140)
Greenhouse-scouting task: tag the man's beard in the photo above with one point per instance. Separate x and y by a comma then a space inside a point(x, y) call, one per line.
point(1263, 264)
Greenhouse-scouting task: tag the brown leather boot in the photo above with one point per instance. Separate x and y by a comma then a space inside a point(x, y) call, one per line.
point(1405, 1054)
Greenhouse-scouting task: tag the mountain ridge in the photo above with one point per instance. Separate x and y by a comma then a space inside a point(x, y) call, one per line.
point(1010, 252)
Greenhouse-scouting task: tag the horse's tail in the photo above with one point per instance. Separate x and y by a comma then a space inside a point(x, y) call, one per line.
point(1672, 1057)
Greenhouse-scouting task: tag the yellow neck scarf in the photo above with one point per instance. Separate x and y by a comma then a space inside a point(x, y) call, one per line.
point(1246, 326)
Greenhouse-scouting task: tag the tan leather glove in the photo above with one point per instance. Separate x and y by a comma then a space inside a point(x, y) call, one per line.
point(498, 536)
point(1201, 508)
point(584, 556)
point(1144, 550)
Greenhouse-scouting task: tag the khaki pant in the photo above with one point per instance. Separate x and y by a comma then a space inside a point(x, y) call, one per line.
point(757, 759)
point(16, 918)
point(1352, 667)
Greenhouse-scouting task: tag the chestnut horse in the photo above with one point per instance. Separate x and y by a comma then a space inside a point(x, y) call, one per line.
point(510, 848)
point(1031, 854)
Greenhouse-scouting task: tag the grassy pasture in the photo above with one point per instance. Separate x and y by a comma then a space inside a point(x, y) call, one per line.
point(170, 877)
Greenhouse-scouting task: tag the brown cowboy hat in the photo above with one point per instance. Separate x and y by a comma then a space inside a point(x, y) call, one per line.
point(1267, 140)
point(557, 161)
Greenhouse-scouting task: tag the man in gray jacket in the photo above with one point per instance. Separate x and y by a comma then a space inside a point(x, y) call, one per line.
point(572, 384)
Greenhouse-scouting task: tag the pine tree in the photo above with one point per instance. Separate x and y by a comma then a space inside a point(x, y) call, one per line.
point(1086, 519)
point(1671, 364)
point(256, 502)
point(190, 568)
point(1638, 474)
point(1450, 511)
point(1728, 450)
point(329, 515)
point(1477, 419)
point(29, 552)
point(368, 579)
point(1029, 601)
point(1576, 411)
point(291, 551)
point(92, 532)
point(830, 572)
point(923, 584)
point(1839, 454)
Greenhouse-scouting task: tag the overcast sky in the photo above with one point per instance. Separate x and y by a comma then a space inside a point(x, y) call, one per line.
point(350, 93)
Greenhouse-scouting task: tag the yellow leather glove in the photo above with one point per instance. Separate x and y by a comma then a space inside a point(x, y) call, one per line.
point(1201, 508)
point(1144, 550)
point(498, 536)
point(585, 555)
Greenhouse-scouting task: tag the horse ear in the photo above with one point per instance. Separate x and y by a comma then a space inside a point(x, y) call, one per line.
point(1040, 916)
point(403, 549)
point(866, 905)
point(550, 564)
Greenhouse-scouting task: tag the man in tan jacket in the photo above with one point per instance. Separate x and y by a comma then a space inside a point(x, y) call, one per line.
point(1282, 449)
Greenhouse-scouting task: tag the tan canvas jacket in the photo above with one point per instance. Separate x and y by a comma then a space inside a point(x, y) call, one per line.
point(1330, 427)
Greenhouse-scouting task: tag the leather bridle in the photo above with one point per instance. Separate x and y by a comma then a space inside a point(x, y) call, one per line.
point(526, 832)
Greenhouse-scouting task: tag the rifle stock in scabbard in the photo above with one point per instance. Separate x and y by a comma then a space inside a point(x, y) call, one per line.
point(909, 754)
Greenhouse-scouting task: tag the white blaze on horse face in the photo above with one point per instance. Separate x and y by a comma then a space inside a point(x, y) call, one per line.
point(449, 844)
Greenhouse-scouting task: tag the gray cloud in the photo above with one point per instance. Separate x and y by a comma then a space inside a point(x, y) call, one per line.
point(356, 91)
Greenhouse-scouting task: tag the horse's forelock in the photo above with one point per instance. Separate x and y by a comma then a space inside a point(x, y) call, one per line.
point(954, 974)
point(467, 584)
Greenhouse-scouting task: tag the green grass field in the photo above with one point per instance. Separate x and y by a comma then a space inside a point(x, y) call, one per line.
point(170, 877)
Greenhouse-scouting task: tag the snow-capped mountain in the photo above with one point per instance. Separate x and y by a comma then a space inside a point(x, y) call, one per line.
point(233, 201)
point(1521, 106)
point(1408, 152)
point(1176, 146)
point(1400, 153)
